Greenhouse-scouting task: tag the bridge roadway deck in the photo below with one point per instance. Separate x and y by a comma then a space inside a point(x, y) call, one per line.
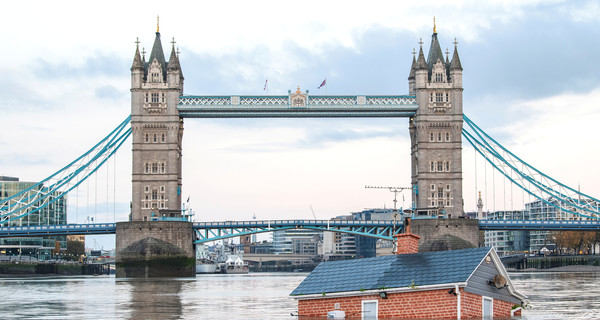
point(231, 228)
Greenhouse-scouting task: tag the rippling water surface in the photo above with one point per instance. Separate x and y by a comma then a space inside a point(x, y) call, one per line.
point(252, 296)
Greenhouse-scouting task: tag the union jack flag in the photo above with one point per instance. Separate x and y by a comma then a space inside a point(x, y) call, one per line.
point(322, 83)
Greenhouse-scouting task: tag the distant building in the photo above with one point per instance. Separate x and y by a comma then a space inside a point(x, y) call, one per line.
point(366, 247)
point(261, 247)
point(53, 214)
point(284, 241)
point(507, 242)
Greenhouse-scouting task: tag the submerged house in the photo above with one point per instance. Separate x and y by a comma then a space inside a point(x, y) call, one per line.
point(442, 285)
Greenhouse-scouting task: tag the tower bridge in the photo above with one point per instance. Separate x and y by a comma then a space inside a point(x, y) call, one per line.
point(433, 106)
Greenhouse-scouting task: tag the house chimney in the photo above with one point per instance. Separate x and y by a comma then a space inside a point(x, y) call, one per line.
point(407, 242)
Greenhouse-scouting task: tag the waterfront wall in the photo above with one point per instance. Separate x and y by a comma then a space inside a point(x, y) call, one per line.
point(548, 262)
point(30, 268)
point(155, 249)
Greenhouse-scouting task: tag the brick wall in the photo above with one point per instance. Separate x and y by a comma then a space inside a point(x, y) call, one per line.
point(436, 304)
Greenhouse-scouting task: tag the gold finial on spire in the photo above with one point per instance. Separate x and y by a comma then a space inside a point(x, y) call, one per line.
point(157, 25)
point(298, 91)
point(434, 25)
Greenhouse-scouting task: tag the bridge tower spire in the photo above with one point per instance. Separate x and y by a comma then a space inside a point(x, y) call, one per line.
point(435, 132)
point(157, 132)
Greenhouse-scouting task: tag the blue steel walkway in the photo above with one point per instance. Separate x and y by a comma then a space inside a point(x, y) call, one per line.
point(384, 229)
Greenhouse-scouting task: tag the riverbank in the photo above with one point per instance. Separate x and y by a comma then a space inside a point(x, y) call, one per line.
point(26, 268)
point(575, 268)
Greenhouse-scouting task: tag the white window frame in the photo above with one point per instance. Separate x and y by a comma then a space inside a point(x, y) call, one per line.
point(483, 298)
point(362, 308)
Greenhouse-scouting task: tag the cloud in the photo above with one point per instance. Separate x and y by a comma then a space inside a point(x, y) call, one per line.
point(96, 65)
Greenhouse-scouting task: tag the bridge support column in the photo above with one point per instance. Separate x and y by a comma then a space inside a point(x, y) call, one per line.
point(147, 249)
point(446, 234)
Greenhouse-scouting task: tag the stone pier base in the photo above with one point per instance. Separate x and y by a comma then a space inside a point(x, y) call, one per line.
point(446, 234)
point(148, 249)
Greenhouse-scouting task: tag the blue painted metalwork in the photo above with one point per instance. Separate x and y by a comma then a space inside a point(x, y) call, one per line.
point(57, 185)
point(64, 229)
point(521, 173)
point(281, 106)
point(538, 225)
point(211, 231)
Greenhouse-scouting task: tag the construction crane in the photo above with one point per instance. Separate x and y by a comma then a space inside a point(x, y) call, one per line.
point(395, 190)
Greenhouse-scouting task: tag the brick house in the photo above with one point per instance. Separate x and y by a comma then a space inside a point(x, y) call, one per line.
point(453, 284)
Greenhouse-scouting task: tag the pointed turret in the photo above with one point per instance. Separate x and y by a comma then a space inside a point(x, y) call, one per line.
point(173, 61)
point(158, 54)
point(412, 74)
point(174, 74)
point(137, 59)
point(137, 67)
point(456, 68)
point(455, 64)
point(421, 63)
point(413, 67)
point(435, 53)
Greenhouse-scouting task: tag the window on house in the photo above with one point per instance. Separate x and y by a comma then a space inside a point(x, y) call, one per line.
point(439, 136)
point(433, 187)
point(447, 97)
point(154, 167)
point(439, 77)
point(162, 167)
point(147, 169)
point(432, 169)
point(146, 97)
point(146, 189)
point(162, 137)
point(431, 136)
point(431, 97)
point(147, 137)
point(154, 194)
point(440, 167)
point(447, 136)
point(487, 307)
point(155, 137)
point(447, 165)
point(162, 189)
point(369, 310)
point(162, 97)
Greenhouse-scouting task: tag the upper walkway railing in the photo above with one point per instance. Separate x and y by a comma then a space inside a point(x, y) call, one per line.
point(289, 107)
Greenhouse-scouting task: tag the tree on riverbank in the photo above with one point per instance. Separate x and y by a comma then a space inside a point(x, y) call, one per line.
point(578, 241)
point(75, 248)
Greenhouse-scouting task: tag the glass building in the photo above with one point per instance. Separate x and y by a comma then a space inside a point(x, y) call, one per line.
point(507, 242)
point(52, 214)
point(293, 240)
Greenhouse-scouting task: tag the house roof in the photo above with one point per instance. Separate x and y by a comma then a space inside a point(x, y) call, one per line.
point(396, 271)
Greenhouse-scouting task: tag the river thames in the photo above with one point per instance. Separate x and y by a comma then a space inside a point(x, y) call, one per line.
point(251, 296)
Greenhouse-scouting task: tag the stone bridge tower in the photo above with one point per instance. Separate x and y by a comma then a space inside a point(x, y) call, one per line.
point(157, 132)
point(435, 131)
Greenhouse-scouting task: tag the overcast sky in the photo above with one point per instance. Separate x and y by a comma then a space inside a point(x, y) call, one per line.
point(531, 78)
